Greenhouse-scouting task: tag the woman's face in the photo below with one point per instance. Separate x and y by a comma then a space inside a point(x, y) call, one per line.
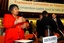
point(41, 16)
point(15, 11)
point(53, 16)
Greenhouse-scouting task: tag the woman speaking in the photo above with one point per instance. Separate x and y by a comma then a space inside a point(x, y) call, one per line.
point(14, 25)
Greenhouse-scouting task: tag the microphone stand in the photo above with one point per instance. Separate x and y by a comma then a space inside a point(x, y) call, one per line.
point(48, 30)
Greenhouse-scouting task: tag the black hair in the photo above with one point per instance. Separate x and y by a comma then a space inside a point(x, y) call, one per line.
point(12, 6)
point(27, 21)
point(53, 13)
point(44, 13)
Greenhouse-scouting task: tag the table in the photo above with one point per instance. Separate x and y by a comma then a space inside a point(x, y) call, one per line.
point(23, 41)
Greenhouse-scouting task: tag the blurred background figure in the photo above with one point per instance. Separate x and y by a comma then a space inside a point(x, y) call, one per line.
point(26, 30)
point(57, 25)
point(39, 26)
point(31, 29)
point(46, 23)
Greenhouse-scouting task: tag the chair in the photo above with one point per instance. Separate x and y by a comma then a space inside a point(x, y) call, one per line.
point(1, 39)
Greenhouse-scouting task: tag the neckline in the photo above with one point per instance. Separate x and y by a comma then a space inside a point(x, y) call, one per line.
point(14, 17)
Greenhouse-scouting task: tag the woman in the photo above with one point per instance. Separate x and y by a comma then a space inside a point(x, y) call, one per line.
point(14, 25)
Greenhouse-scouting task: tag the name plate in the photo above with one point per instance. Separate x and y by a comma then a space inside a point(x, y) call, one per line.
point(50, 39)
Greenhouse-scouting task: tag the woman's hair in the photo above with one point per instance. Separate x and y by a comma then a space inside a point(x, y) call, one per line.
point(53, 14)
point(12, 6)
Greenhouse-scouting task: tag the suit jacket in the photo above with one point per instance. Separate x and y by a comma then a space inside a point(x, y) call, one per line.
point(59, 24)
point(44, 23)
point(39, 25)
point(13, 32)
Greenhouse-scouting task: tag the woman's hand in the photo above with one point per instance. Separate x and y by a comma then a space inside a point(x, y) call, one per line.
point(24, 26)
point(20, 20)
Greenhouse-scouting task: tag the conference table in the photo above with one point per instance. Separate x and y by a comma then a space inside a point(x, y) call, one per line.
point(23, 41)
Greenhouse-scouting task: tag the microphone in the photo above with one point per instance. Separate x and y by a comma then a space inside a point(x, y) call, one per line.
point(48, 28)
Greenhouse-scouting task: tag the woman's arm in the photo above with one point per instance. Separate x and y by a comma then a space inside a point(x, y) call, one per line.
point(8, 21)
